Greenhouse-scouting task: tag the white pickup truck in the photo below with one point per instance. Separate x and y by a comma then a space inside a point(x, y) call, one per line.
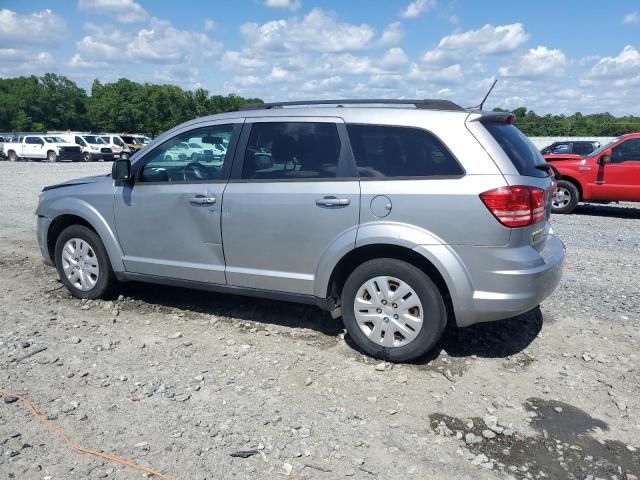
point(42, 147)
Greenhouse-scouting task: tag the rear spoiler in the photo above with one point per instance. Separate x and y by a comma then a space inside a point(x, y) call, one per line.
point(497, 117)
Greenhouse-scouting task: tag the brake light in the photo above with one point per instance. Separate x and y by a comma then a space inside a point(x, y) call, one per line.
point(515, 206)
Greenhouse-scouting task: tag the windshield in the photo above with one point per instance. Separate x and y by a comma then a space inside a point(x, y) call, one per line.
point(603, 148)
point(93, 139)
point(195, 145)
point(144, 140)
point(54, 140)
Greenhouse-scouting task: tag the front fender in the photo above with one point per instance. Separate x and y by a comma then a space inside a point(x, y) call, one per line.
point(86, 211)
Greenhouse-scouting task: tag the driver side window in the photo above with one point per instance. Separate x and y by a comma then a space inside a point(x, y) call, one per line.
point(192, 156)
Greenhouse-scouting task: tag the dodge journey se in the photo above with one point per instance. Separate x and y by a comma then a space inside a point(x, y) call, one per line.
point(402, 217)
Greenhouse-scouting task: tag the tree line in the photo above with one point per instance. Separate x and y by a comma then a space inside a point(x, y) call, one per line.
point(54, 102)
point(576, 125)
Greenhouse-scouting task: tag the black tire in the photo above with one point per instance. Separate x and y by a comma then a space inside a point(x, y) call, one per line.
point(86, 157)
point(52, 156)
point(571, 194)
point(106, 282)
point(13, 156)
point(434, 310)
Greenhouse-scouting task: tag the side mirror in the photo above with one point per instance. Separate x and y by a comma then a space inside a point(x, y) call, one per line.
point(605, 157)
point(121, 170)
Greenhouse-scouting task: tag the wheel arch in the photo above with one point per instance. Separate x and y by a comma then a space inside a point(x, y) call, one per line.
point(89, 217)
point(355, 257)
point(577, 184)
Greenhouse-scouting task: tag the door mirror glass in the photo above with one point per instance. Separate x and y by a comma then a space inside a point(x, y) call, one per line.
point(121, 170)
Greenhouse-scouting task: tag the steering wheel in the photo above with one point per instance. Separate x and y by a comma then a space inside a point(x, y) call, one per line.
point(194, 171)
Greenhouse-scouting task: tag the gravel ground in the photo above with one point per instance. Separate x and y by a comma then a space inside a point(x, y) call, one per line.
point(178, 380)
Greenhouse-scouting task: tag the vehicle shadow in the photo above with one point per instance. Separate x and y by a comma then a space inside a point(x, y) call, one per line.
point(614, 211)
point(241, 308)
point(498, 339)
point(488, 340)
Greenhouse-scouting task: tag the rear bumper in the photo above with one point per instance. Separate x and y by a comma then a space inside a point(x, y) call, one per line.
point(504, 282)
point(42, 228)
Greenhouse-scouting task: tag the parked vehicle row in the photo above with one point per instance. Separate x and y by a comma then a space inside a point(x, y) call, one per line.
point(610, 173)
point(401, 220)
point(64, 146)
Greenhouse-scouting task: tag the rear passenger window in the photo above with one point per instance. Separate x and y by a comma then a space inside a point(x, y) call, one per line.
point(522, 153)
point(292, 150)
point(384, 151)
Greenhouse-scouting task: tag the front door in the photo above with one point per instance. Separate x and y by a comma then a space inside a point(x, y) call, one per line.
point(168, 220)
point(620, 179)
point(294, 198)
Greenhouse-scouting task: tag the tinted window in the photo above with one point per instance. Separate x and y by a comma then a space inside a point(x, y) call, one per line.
point(292, 150)
point(583, 148)
point(171, 162)
point(519, 149)
point(627, 151)
point(383, 151)
point(33, 141)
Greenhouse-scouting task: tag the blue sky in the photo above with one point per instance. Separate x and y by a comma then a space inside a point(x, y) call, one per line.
point(551, 56)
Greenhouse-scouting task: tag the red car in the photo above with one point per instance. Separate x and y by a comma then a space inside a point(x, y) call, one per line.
point(608, 174)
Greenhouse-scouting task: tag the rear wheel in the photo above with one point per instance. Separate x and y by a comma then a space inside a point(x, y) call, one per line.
point(566, 197)
point(52, 156)
point(13, 157)
point(83, 264)
point(392, 310)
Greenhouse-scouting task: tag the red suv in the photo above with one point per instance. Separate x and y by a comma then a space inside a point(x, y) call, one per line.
point(608, 174)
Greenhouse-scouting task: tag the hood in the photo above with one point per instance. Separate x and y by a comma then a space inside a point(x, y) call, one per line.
point(554, 157)
point(80, 181)
point(63, 144)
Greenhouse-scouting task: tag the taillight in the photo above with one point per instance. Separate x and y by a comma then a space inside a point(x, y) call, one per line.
point(515, 206)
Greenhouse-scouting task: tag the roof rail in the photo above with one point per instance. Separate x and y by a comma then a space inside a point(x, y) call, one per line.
point(426, 104)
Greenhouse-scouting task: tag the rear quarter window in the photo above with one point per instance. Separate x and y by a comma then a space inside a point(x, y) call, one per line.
point(522, 153)
point(389, 151)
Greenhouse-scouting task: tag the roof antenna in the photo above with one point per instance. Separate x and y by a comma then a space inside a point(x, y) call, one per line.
point(479, 107)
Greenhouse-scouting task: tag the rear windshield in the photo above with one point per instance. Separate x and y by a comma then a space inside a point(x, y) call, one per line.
point(519, 149)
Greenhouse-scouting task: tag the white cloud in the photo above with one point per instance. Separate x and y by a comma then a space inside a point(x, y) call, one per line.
point(160, 43)
point(209, 25)
point(288, 4)
point(537, 62)
point(39, 28)
point(394, 58)
point(318, 31)
point(17, 62)
point(451, 74)
point(322, 85)
point(488, 40)
point(417, 8)
point(392, 35)
point(631, 18)
point(124, 11)
point(279, 74)
point(622, 70)
point(233, 60)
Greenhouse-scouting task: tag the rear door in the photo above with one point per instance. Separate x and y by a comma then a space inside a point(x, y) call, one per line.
point(620, 179)
point(292, 199)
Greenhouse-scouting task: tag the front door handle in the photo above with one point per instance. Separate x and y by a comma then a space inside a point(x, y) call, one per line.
point(202, 200)
point(331, 201)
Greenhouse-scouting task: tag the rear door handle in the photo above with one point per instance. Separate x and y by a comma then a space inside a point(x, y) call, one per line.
point(331, 201)
point(202, 200)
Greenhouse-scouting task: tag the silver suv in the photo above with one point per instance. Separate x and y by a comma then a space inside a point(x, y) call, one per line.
point(400, 218)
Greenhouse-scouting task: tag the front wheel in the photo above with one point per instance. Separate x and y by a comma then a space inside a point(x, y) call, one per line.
point(51, 156)
point(83, 264)
point(86, 157)
point(566, 197)
point(392, 310)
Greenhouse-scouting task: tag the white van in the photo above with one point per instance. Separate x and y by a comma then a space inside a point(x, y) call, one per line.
point(117, 144)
